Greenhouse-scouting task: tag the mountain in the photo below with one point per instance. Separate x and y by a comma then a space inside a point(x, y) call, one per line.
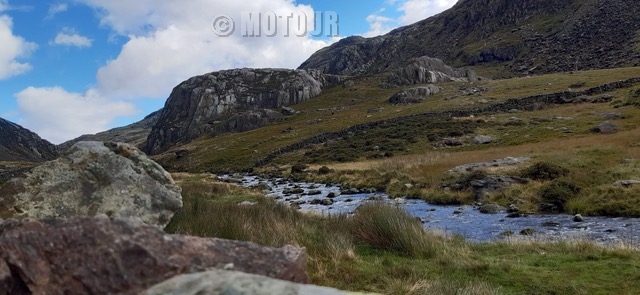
point(18, 144)
point(520, 36)
point(231, 101)
point(134, 134)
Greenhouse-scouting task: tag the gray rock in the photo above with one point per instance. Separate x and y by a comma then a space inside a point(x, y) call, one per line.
point(453, 142)
point(492, 209)
point(231, 101)
point(483, 139)
point(425, 70)
point(611, 116)
point(414, 95)
point(104, 256)
point(510, 161)
point(626, 183)
point(606, 127)
point(94, 178)
point(287, 111)
point(221, 282)
point(578, 218)
point(494, 183)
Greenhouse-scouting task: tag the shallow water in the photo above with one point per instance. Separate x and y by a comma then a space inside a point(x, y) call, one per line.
point(465, 221)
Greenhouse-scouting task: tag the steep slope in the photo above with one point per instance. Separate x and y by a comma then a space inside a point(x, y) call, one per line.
point(135, 134)
point(524, 36)
point(21, 145)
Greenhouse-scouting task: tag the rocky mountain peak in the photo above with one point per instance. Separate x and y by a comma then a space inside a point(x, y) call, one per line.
point(231, 101)
point(526, 36)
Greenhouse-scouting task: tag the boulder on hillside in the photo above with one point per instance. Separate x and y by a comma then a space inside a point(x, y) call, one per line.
point(414, 95)
point(102, 256)
point(220, 282)
point(606, 127)
point(483, 139)
point(425, 70)
point(94, 178)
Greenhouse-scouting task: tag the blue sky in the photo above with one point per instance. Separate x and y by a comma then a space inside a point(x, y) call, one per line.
point(73, 67)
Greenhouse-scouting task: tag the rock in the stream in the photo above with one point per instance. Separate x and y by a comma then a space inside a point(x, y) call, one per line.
point(578, 218)
point(494, 183)
point(102, 256)
point(219, 282)
point(94, 178)
point(492, 209)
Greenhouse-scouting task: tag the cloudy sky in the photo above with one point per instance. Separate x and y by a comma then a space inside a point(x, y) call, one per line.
point(73, 67)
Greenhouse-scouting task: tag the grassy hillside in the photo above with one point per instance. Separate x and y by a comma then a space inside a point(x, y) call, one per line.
point(406, 151)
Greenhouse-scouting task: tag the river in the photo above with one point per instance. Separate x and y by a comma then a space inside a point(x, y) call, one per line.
point(466, 221)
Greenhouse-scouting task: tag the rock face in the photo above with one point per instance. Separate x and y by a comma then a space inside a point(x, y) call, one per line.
point(218, 282)
point(414, 95)
point(606, 127)
point(135, 134)
point(94, 178)
point(425, 70)
point(21, 145)
point(526, 36)
point(103, 256)
point(230, 101)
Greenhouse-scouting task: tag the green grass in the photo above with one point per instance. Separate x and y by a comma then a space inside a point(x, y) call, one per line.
point(383, 249)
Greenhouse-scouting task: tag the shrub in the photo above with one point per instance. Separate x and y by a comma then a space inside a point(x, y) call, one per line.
point(324, 170)
point(559, 192)
point(298, 168)
point(545, 171)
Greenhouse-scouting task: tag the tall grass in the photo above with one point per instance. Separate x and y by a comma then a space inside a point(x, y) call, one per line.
point(381, 248)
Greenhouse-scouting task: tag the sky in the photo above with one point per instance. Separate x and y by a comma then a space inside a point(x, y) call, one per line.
point(73, 67)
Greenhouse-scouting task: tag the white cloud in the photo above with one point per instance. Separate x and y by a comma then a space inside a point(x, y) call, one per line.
point(58, 115)
point(12, 48)
point(72, 39)
point(56, 8)
point(170, 41)
point(417, 10)
point(411, 11)
point(378, 25)
point(4, 5)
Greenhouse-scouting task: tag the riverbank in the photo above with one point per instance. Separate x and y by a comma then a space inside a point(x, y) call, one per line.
point(383, 249)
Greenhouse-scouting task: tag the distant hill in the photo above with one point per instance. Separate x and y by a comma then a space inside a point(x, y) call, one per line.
point(21, 145)
point(135, 134)
point(519, 36)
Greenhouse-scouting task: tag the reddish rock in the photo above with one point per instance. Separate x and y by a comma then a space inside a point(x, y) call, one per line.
point(100, 256)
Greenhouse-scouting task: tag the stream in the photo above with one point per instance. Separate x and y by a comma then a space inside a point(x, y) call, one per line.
point(466, 221)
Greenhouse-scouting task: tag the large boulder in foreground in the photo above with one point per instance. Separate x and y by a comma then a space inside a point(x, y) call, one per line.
point(219, 282)
point(103, 256)
point(94, 178)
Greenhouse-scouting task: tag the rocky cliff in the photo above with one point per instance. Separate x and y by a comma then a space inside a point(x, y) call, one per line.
point(134, 134)
point(231, 101)
point(525, 36)
point(21, 145)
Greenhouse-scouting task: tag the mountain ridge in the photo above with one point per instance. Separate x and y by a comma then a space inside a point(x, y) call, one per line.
point(523, 36)
point(22, 145)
